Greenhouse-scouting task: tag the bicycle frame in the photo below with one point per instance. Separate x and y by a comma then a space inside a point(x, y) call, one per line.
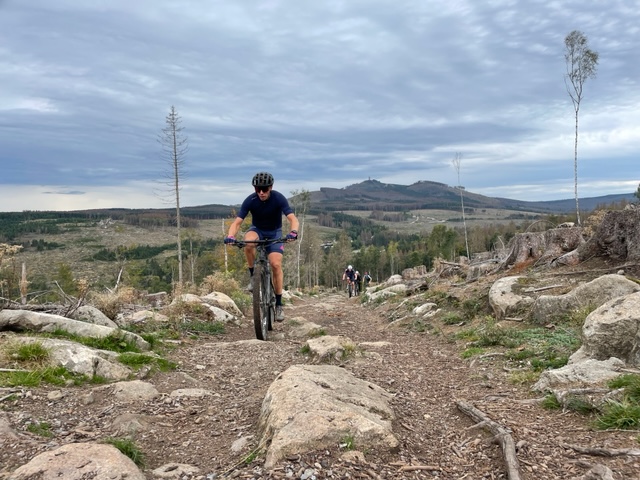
point(264, 296)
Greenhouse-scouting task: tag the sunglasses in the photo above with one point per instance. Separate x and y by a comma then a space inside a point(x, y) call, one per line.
point(262, 189)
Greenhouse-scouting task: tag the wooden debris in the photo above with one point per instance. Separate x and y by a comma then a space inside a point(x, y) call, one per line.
point(605, 452)
point(502, 434)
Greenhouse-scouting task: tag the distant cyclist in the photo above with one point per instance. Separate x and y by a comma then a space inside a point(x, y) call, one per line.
point(266, 207)
point(367, 279)
point(358, 282)
point(349, 275)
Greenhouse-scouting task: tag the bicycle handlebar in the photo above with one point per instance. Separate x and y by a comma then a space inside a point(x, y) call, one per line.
point(266, 241)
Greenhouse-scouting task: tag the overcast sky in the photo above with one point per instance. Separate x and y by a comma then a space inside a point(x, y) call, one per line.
point(320, 93)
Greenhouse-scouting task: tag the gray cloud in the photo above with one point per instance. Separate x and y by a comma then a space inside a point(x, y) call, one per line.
point(322, 94)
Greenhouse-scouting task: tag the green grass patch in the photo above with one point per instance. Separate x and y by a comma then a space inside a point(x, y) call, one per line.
point(128, 448)
point(472, 352)
point(305, 349)
point(197, 327)
point(576, 317)
point(115, 342)
point(631, 385)
point(580, 406)
point(349, 350)
point(624, 415)
point(548, 361)
point(317, 332)
point(550, 402)
point(250, 457)
point(28, 352)
point(452, 318)
point(524, 377)
point(138, 360)
point(472, 308)
point(348, 442)
point(520, 355)
point(46, 375)
point(419, 325)
point(469, 334)
point(42, 429)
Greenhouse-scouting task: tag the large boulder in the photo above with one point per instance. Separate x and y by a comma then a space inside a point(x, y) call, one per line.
point(25, 320)
point(612, 330)
point(548, 308)
point(223, 301)
point(587, 373)
point(78, 461)
point(504, 299)
point(390, 291)
point(311, 407)
point(90, 314)
point(82, 360)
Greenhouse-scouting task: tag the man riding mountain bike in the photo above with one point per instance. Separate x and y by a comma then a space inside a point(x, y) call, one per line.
point(266, 207)
point(349, 275)
point(358, 282)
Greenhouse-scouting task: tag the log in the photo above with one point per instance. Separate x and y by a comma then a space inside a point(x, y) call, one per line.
point(605, 452)
point(502, 435)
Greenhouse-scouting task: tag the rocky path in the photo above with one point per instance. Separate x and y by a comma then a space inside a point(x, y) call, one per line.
point(213, 432)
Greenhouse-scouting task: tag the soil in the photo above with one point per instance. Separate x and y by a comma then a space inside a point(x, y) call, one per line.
point(423, 370)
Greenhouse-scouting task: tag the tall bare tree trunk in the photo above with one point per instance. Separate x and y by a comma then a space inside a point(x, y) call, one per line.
point(456, 165)
point(175, 146)
point(582, 64)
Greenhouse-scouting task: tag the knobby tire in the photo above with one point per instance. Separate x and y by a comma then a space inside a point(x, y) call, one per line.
point(258, 324)
point(268, 300)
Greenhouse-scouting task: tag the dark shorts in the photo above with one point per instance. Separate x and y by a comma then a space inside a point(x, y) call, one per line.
point(267, 234)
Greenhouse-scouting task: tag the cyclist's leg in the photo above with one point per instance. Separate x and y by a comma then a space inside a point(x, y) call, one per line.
point(250, 249)
point(275, 260)
point(275, 251)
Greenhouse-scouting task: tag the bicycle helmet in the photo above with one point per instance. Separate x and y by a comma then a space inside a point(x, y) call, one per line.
point(349, 267)
point(262, 179)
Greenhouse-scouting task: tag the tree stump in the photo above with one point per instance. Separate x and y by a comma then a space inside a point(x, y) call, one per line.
point(532, 247)
point(617, 237)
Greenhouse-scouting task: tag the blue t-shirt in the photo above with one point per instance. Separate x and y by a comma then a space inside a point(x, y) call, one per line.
point(267, 215)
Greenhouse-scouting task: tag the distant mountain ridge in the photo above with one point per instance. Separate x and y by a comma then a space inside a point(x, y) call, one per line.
point(371, 195)
point(422, 195)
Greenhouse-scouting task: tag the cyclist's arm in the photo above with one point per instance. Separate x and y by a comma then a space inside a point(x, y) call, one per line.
point(293, 222)
point(235, 226)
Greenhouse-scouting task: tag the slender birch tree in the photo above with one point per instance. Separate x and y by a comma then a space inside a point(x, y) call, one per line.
point(301, 200)
point(174, 148)
point(582, 64)
point(456, 164)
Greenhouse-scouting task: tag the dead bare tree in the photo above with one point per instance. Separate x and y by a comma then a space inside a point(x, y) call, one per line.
point(301, 201)
point(456, 164)
point(582, 64)
point(174, 148)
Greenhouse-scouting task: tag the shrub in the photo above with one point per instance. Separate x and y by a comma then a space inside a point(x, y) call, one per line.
point(111, 303)
point(219, 282)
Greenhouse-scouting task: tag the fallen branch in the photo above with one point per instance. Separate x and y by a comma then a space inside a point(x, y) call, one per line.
point(540, 289)
point(605, 452)
point(413, 468)
point(503, 436)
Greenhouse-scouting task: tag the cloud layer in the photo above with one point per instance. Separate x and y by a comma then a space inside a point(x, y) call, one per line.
point(319, 93)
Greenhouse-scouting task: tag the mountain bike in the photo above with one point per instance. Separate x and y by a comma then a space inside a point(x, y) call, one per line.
point(350, 288)
point(264, 296)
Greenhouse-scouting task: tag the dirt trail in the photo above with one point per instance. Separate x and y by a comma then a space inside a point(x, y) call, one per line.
point(423, 371)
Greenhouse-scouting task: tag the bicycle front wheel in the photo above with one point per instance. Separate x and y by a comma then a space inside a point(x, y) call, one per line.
point(259, 319)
